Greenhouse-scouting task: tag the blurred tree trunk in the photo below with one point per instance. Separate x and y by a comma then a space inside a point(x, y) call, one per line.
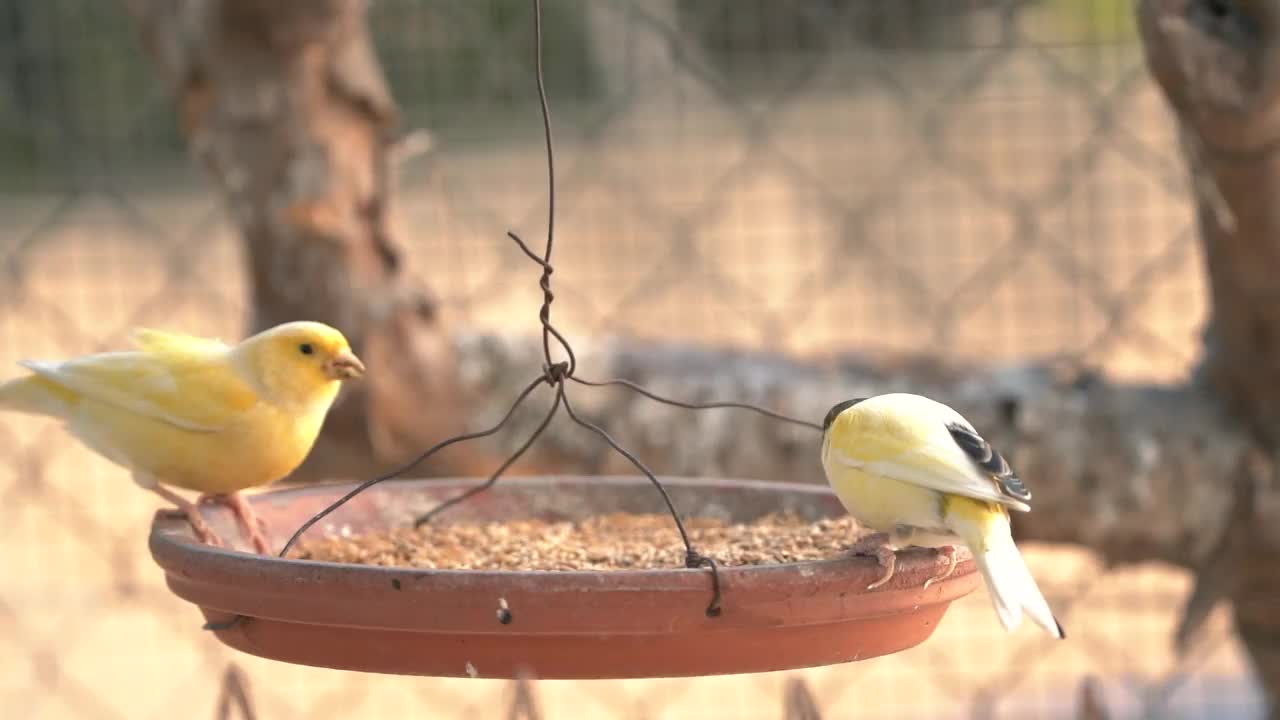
point(1219, 66)
point(285, 104)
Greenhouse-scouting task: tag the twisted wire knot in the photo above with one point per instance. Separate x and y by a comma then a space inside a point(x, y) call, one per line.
point(556, 373)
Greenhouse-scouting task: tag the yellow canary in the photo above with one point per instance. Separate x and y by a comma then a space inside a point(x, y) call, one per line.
point(916, 471)
point(196, 413)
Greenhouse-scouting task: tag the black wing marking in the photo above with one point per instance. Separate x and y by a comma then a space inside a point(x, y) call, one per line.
point(990, 461)
point(837, 409)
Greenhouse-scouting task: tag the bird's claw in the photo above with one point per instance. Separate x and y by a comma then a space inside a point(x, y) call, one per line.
point(192, 513)
point(251, 524)
point(952, 555)
point(888, 560)
point(260, 542)
point(204, 532)
point(877, 545)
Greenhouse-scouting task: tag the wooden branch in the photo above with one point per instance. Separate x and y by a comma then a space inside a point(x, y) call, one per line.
point(284, 103)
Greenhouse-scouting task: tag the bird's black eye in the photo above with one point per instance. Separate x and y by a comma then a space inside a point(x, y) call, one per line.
point(306, 348)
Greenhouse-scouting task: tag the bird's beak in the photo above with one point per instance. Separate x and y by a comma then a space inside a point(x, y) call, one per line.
point(345, 366)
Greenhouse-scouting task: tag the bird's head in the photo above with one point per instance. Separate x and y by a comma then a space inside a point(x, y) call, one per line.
point(297, 360)
point(836, 410)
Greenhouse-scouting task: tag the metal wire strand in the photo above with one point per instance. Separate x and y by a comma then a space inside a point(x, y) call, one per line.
point(692, 558)
point(697, 406)
point(544, 313)
point(462, 497)
point(413, 463)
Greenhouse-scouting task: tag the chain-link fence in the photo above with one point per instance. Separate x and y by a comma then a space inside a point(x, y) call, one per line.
point(992, 180)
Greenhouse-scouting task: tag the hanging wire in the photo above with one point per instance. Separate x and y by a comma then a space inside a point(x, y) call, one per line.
point(493, 478)
point(697, 406)
point(554, 374)
point(400, 471)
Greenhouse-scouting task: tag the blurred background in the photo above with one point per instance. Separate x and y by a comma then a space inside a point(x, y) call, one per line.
point(997, 179)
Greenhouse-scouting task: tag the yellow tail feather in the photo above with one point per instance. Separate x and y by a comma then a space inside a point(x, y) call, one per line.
point(985, 529)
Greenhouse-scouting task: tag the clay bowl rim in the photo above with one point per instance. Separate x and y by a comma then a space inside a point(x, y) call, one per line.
point(172, 533)
point(357, 595)
point(567, 624)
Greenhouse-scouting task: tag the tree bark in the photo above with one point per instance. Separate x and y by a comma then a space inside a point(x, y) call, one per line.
point(1218, 64)
point(285, 104)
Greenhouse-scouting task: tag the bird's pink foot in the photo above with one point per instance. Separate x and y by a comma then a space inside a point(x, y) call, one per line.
point(253, 527)
point(202, 530)
point(878, 545)
point(951, 553)
point(251, 523)
point(192, 512)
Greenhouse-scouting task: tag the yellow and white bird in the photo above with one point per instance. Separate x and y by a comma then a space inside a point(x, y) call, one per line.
point(916, 471)
point(196, 413)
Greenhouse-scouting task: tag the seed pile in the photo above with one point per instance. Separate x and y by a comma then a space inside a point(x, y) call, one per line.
point(619, 541)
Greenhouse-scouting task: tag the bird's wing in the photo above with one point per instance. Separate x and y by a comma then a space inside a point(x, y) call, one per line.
point(162, 341)
point(192, 393)
point(946, 457)
point(989, 462)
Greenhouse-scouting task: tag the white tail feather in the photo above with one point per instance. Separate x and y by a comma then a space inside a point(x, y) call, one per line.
point(34, 395)
point(1010, 585)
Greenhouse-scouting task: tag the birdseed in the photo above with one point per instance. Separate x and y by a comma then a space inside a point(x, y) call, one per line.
point(619, 541)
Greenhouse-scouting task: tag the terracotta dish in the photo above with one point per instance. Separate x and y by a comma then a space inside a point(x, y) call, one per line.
point(611, 624)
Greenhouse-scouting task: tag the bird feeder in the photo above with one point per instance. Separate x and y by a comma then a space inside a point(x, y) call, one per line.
point(550, 624)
